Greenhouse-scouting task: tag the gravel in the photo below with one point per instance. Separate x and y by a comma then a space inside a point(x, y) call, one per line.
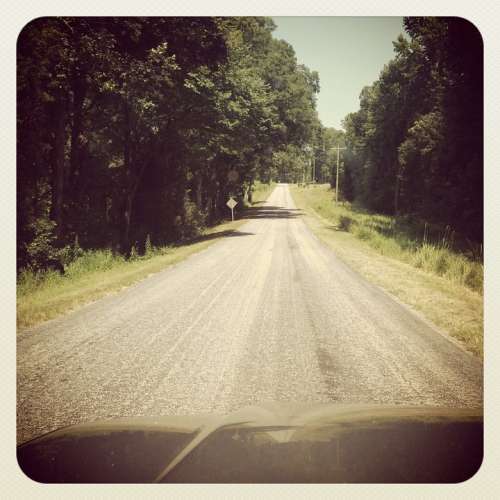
point(268, 314)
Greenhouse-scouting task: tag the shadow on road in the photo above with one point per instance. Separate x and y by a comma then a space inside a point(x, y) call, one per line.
point(271, 212)
point(255, 212)
point(227, 233)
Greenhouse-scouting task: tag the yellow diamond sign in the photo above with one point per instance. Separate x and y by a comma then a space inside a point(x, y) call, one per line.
point(231, 203)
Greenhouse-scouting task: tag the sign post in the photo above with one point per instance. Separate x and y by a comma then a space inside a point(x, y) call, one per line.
point(231, 203)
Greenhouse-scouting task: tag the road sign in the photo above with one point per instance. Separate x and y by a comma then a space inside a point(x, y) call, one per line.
point(231, 203)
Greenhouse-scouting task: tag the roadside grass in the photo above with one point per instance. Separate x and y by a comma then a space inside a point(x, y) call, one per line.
point(400, 239)
point(95, 273)
point(445, 286)
point(260, 192)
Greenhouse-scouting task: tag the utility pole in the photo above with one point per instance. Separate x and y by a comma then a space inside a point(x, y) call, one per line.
point(324, 160)
point(314, 168)
point(309, 167)
point(338, 148)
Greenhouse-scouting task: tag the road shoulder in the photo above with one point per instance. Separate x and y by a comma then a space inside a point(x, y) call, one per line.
point(452, 309)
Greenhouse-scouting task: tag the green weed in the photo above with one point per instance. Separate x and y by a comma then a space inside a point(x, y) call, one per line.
point(417, 243)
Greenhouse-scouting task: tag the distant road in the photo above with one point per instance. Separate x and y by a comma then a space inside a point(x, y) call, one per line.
point(267, 314)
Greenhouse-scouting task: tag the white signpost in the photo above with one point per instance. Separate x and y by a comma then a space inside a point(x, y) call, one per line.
point(231, 203)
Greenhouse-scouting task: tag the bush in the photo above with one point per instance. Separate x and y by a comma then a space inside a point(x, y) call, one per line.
point(363, 233)
point(428, 247)
point(148, 247)
point(441, 263)
point(93, 260)
point(386, 246)
point(29, 280)
point(423, 255)
point(474, 277)
point(345, 223)
point(134, 254)
point(192, 221)
point(41, 250)
point(70, 253)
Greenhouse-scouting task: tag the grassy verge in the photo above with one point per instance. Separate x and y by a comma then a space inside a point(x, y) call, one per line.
point(261, 191)
point(444, 286)
point(97, 273)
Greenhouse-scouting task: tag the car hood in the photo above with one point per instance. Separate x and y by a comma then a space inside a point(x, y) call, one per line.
point(270, 442)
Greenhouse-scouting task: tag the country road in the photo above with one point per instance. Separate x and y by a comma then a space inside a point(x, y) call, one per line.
point(268, 313)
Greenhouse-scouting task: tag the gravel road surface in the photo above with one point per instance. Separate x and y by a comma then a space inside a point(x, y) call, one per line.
point(268, 313)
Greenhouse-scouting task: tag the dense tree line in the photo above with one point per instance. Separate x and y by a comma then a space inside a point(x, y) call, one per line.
point(129, 127)
point(415, 147)
point(313, 162)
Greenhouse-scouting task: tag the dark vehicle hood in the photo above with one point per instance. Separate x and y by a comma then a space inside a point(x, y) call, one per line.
point(321, 443)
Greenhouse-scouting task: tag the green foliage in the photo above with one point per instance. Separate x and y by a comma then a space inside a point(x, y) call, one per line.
point(193, 220)
point(134, 254)
point(260, 192)
point(345, 223)
point(129, 127)
point(415, 145)
point(148, 247)
point(474, 275)
point(84, 263)
point(40, 250)
point(93, 261)
point(364, 233)
point(432, 249)
point(29, 280)
point(70, 253)
point(290, 164)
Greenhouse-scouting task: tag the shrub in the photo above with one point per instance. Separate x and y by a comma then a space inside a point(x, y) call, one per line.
point(423, 255)
point(441, 263)
point(192, 221)
point(40, 250)
point(363, 233)
point(93, 260)
point(30, 280)
point(134, 254)
point(475, 276)
point(148, 247)
point(70, 253)
point(425, 246)
point(345, 223)
point(27, 281)
point(386, 246)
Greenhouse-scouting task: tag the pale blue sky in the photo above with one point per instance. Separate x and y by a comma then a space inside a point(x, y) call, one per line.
point(347, 52)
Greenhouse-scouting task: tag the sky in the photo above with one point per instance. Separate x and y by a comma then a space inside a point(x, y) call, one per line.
point(347, 52)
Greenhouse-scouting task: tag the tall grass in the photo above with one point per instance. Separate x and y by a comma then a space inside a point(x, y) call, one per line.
point(87, 263)
point(426, 247)
point(261, 191)
point(89, 274)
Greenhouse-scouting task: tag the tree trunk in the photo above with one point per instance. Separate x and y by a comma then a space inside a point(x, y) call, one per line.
point(396, 194)
point(127, 216)
point(127, 206)
point(76, 127)
point(58, 170)
point(132, 181)
point(250, 192)
point(199, 192)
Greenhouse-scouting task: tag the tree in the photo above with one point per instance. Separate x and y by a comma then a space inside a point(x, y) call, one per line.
point(415, 145)
point(129, 127)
